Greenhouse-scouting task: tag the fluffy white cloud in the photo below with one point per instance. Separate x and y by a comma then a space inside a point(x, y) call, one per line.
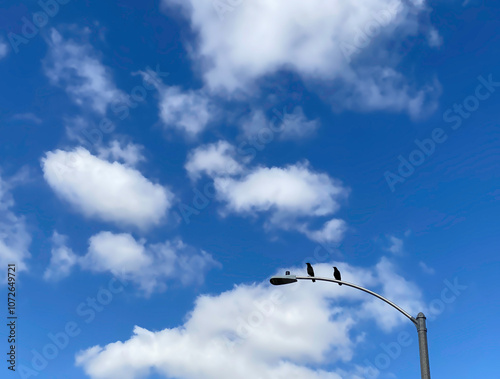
point(293, 125)
point(291, 191)
point(14, 237)
point(77, 67)
point(129, 154)
point(216, 159)
point(109, 191)
point(290, 195)
point(62, 259)
point(332, 231)
point(260, 331)
point(259, 38)
point(146, 265)
point(189, 111)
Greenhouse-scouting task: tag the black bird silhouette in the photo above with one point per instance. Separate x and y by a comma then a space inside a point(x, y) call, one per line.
point(336, 274)
point(310, 270)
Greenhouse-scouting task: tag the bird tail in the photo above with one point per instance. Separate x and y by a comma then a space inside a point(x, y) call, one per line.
point(340, 284)
point(314, 281)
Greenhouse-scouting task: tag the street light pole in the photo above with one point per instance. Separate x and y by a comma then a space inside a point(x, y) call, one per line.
point(419, 321)
point(422, 347)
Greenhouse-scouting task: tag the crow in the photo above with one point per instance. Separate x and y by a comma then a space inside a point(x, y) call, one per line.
point(336, 274)
point(310, 271)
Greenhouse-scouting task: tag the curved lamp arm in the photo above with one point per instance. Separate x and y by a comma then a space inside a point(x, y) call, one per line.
point(277, 280)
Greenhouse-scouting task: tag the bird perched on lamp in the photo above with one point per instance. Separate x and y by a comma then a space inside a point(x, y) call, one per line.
point(336, 274)
point(310, 270)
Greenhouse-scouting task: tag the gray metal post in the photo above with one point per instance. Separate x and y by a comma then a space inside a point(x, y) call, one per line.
point(422, 346)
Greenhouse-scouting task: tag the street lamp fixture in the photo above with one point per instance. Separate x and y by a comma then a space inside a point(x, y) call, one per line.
point(419, 321)
point(286, 279)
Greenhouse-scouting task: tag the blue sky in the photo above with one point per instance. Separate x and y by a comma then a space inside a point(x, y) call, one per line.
point(161, 160)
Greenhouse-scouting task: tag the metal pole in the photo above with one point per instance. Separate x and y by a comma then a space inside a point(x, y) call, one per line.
point(422, 347)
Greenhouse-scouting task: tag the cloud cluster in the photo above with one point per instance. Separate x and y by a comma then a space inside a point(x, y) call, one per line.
point(309, 38)
point(105, 190)
point(259, 331)
point(148, 266)
point(290, 195)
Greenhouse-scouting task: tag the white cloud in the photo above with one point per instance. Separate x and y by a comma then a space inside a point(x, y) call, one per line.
point(396, 245)
point(332, 231)
point(216, 159)
point(146, 265)
point(426, 269)
point(306, 37)
point(293, 125)
point(291, 191)
point(3, 49)
point(62, 259)
point(297, 126)
point(111, 192)
point(378, 88)
point(289, 195)
point(77, 68)
point(189, 111)
point(260, 331)
point(130, 154)
point(14, 237)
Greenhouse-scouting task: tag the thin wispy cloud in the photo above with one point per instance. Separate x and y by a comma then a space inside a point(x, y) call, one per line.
point(77, 67)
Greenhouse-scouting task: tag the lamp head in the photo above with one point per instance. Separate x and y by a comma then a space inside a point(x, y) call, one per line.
point(286, 279)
